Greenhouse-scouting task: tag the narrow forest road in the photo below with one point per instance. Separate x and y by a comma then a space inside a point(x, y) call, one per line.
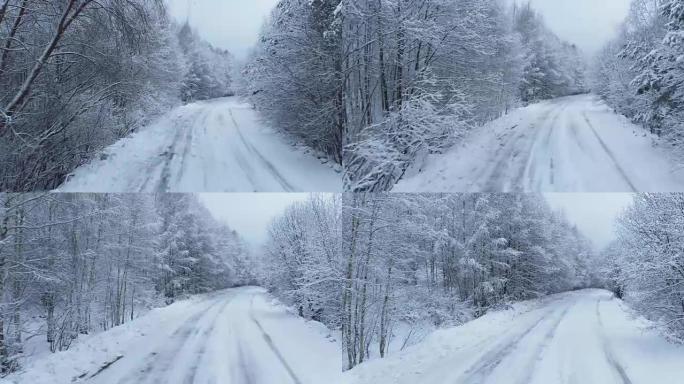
point(570, 144)
point(584, 337)
point(237, 336)
point(210, 146)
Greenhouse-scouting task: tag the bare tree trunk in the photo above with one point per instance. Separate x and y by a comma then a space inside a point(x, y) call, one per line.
point(381, 47)
point(3, 279)
point(400, 61)
point(364, 290)
point(384, 314)
point(17, 285)
point(49, 296)
point(132, 303)
point(347, 294)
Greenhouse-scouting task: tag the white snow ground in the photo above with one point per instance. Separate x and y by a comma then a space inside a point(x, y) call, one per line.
point(218, 145)
point(570, 144)
point(583, 337)
point(236, 336)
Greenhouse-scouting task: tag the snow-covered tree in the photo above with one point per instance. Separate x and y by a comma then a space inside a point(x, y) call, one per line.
point(637, 72)
point(303, 252)
point(662, 75)
point(295, 74)
point(649, 269)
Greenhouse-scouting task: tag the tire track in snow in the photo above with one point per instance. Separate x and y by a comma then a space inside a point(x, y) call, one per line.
point(271, 345)
point(245, 165)
point(528, 172)
point(245, 368)
point(271, 168)
point(189, 143)
point(486, 365)
point(541, 348)
point(181, 331)
point(608, 350)
point(551, 126)
point(547, 146)
point(506, 157)
point(103, 368)
point(575, 134)
point(610, 154)
point(162, 361)
point(165, 158)
point(206, 334)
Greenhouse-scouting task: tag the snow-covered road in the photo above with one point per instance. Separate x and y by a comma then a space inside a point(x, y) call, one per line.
point(570, 144)
point(584, 337)
point(211, 146)
point(238, 336)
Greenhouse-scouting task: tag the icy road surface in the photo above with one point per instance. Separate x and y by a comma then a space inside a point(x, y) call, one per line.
point(583, 337)
point(210, 146)
point(237, 336)
point(570, 144)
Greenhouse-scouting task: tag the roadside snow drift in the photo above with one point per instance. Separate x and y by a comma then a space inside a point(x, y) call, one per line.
point(239, 336)
point(570, 144)
point(583, 337)
point(211, 146)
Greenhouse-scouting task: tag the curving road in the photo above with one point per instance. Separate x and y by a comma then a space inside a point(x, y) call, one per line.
point(570, 144)
point(564, 342)
point(582, 337)
point(220, 341)
point(211, 146)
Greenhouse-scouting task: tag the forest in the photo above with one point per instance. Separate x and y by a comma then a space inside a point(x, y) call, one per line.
point(77, 75)
point(639, 74)
point(422, 260)
point(75, 264)
point(382, 83)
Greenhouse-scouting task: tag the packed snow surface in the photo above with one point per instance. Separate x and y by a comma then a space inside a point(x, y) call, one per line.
point(570, 144)
point(583, 337)
point(211, 146)
point(237, 336)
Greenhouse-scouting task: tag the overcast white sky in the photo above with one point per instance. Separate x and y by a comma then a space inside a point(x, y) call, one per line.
point(250, 214)
point(228, 24)
point(593, 213)
point(588, 23)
